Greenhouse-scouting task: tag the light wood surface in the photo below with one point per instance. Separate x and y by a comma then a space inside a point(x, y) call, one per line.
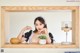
point(57, 45)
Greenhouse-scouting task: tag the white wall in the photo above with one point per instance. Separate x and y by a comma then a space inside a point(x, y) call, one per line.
point(38, 3)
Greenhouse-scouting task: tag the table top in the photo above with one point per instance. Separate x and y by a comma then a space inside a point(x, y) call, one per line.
point(27, 45)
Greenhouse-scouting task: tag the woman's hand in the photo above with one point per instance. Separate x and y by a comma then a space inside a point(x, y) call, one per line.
point(44, 31)
point(26, 28)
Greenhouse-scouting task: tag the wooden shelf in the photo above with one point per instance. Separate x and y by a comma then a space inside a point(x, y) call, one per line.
point(75, 25)
point(57, 45)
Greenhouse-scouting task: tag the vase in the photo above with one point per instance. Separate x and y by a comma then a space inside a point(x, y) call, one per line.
point(42, 41)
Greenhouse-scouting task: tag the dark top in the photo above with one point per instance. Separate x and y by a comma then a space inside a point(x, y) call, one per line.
point(28, 34)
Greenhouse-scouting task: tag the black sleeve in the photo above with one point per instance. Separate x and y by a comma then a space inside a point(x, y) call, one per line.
point(51, 37)
point(27, 35)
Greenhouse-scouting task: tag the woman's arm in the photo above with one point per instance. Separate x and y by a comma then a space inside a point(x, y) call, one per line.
point(22, 32)
point(45, 31)
point(20, 35)
point(48, 40)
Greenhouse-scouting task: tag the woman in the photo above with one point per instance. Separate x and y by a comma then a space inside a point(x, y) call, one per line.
point(32, 36)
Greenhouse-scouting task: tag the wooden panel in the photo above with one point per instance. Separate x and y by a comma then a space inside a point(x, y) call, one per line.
point(39, 46)
point(77, 27)
point(37, 8)
point(2, 28)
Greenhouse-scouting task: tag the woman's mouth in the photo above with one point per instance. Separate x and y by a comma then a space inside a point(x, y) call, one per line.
point(39, 29)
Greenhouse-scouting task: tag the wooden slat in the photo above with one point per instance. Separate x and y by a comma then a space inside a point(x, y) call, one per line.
point(37, 8)
point(38, 46)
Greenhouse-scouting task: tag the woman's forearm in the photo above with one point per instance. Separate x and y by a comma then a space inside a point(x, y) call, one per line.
point(20, 35)
point(48, 40)
point(22, 32)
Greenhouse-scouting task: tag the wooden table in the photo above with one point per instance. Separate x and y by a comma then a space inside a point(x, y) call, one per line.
point(26, 45)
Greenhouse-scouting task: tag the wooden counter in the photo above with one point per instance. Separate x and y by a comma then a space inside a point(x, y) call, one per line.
point(57, 45)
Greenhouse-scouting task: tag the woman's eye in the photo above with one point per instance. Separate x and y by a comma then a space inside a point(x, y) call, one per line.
point(40, 24)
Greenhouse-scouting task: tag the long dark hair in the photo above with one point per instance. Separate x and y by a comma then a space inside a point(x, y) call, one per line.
point(41, 20)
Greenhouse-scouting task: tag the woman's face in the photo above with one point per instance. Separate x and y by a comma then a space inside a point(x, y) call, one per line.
point(39, 26)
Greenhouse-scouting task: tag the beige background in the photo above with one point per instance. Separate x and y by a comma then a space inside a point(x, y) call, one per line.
point(38, 3)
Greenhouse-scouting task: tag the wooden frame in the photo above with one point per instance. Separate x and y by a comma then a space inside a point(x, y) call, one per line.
point(75, 25)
